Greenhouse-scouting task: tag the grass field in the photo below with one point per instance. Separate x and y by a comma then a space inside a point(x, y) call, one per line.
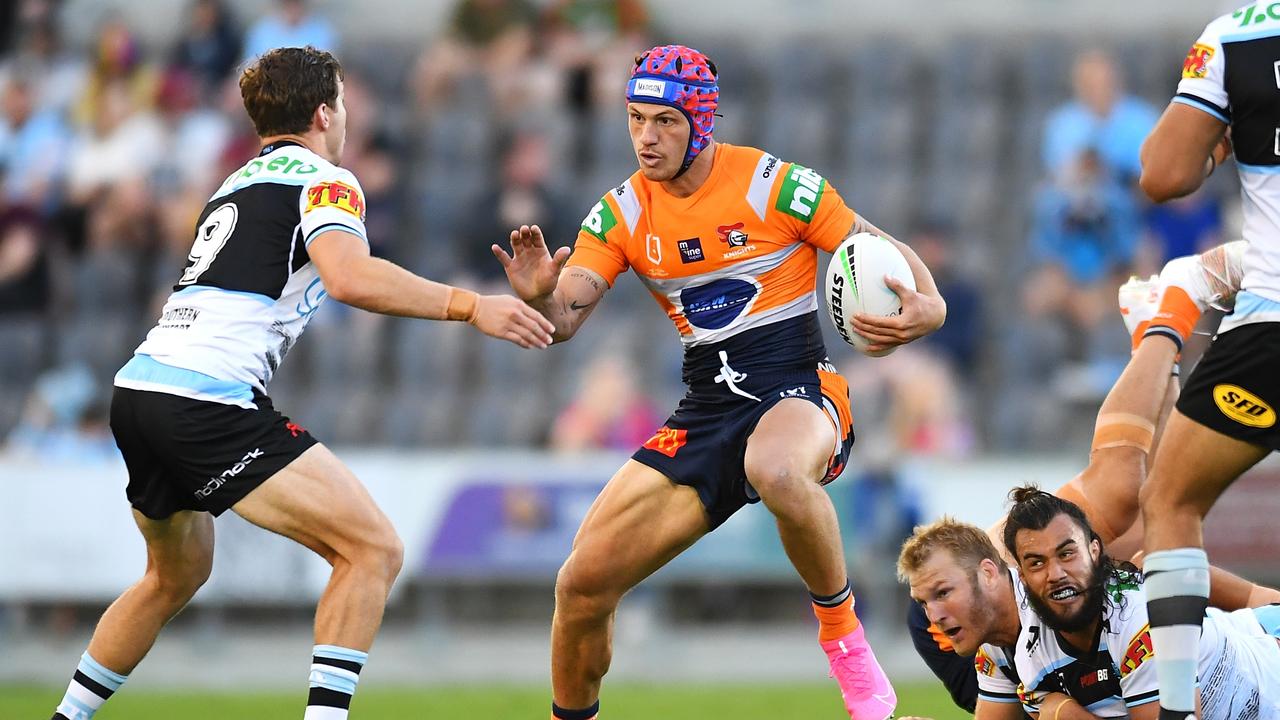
point(621, 702)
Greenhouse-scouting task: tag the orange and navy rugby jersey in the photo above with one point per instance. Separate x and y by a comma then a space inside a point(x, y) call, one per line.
point(734, 264)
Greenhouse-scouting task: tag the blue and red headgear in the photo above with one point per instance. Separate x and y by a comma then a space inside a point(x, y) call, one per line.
point(682, 78)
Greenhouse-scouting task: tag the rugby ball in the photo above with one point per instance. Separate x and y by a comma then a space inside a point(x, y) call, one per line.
point(855, 284)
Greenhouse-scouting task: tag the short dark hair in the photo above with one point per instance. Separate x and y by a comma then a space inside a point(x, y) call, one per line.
point(283, 88)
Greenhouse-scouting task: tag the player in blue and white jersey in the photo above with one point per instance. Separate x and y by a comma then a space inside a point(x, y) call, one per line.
point(190, 412)
point(1228, 101)
point(1066, 632)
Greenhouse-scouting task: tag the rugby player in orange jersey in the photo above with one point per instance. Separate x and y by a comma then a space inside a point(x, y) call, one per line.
point(726, 239)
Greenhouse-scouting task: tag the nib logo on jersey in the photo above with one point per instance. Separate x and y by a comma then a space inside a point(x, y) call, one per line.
point(229, 473)
point(736, 239)
point(717, 304)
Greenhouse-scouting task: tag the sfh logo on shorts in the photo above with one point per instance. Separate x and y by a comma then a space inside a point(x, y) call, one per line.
point(1243, 406)
point(668, 441)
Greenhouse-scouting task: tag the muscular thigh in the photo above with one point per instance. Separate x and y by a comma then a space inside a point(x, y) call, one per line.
point(317, 501)
point(638, 523)
point(795, 437)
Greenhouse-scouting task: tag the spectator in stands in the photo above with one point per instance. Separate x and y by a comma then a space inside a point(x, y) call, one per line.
point(609, 412)
point(959, 340)
point(119, 64)
point(1185, 226)
point(209, 47)
point(494, 38)
point(32, 148)
point(1101, 116)
point(292, 25)
point(1085, 222)
point(62, 421)
point(194, 137)
point(122, 145)
point(593, 42)
point(57, 76)
point(25, 282)
point(524, 195)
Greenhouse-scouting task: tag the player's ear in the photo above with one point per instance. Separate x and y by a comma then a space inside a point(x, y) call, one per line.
point(321, 117)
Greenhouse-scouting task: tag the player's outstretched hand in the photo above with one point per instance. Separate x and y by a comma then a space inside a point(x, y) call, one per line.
point(532, 271)
point(921, 314)
point(509, 318)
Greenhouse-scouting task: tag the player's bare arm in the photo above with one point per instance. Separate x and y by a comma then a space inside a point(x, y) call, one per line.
point(923, 309)
point(352, 276)
point(987, 710)
point(565, 297)
point(1183, 149)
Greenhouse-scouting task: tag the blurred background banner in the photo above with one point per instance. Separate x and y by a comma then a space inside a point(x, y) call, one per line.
point(998, 137)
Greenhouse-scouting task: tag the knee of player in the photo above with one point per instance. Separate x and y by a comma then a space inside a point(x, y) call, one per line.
point(177, 587)
point(585, 588)
point(778, 477)
point(1157, 503)
point(380, 552)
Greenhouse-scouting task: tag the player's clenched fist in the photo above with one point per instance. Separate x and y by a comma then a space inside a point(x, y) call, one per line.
point(508, 318)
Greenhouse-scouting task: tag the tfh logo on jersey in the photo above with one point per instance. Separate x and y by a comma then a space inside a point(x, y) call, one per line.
point(335, 194)
point(1139, 651)
point(983, 663)
point(1196, 65)
point(668, 441)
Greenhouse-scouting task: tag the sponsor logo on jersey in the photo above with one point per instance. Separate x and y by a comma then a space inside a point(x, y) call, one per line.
point(1196, 66)
point(984, 664)
point(668, 441)
point(1140, 651)
point(801, 190)
point(1247, 14)
point(718, 303)
point(600, 221)
point(1090, 679)
point(1243, 406)
point(690, 250)
point(229, 473)
point(294, 429)
point(335, 194)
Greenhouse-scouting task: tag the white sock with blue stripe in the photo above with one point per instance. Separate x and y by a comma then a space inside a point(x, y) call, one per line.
point(334, 674)
point(91, 686)
point(1177, 586)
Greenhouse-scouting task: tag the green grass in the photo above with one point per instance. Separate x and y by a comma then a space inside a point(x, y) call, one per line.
point(471, 702)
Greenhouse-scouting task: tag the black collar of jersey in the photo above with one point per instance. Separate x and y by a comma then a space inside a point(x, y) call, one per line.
point(277, 145)
point(1090, 655)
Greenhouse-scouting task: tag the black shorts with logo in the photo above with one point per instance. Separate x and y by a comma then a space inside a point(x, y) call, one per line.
point(1236, 387)
point(704, 442)
point(185, 454)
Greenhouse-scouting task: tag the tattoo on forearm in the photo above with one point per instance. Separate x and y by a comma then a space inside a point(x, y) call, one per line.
point(586, 276)
point(576, 306)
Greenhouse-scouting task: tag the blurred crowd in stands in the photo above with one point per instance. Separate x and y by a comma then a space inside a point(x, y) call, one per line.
point(1012, 170)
